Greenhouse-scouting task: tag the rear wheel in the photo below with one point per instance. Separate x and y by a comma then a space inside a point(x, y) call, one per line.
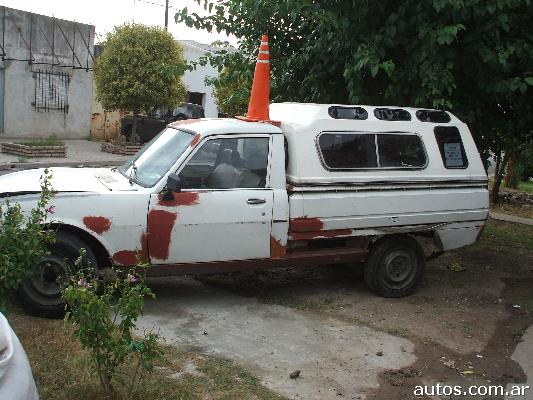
point(41, 292)
point(394, 266)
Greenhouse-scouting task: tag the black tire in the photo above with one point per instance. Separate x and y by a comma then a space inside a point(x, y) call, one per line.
point(41, 293)
point(395, 265)
point(180, 117)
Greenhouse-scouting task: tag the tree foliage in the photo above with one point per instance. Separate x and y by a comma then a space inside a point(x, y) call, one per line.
point(140, 69)
point(471, 57)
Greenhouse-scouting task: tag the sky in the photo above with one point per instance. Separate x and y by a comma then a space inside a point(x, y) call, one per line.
point(105, 14)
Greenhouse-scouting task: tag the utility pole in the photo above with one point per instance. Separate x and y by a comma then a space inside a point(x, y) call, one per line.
point(166, 15)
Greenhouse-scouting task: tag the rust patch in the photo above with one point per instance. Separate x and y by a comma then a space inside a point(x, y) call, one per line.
point(187, 121)
point(305, 224)
point(333, 233)
point(277, 250)
point(160, 224)
point(195, 140)
point(125, 258)
point(98, 225)
point(180, 199)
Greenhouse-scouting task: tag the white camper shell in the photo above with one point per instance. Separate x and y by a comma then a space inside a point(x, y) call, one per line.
point(324, 184)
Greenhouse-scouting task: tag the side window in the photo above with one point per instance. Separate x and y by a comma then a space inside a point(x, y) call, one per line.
point(451, 147)
point(227, 163)
point(358, 150)
point(346, 151)
point(400, 151)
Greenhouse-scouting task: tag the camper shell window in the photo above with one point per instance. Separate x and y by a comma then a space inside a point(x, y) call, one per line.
point(346, 151)
point(451, 147)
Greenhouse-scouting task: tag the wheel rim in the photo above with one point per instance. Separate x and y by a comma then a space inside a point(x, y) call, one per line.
point(400, 267)
point(49, 278)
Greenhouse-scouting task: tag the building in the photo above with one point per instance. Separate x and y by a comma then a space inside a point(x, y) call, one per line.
point(46, 81)
point(197, 91)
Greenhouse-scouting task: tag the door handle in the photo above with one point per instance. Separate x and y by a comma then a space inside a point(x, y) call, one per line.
point(256, 201)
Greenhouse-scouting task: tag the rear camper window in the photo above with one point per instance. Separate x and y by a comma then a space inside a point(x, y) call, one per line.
point(451, 147)
point(392, 114)
point(371, 151)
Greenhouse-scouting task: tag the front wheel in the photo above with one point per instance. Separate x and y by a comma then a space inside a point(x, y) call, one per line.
point(394, 266)
point(41, 292)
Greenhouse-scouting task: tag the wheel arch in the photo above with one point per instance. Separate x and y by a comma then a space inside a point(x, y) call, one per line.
point(103, 256)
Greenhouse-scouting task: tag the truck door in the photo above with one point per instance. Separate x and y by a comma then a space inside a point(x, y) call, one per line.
point(224, 209)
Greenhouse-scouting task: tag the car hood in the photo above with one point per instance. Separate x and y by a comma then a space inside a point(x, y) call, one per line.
point(65, 180)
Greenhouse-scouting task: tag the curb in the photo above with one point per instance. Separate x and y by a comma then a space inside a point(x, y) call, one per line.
point(511, 218)
point(33, 165)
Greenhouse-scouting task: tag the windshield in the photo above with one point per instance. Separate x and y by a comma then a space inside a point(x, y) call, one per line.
point(149, 165)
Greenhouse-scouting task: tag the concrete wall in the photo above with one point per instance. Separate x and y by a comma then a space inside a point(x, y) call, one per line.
point(50, 41)
point(105, 125)
point(195, 80)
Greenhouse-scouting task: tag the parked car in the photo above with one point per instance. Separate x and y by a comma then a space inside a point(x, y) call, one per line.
point(16, 379)
point(148, 126)
point(332, 184)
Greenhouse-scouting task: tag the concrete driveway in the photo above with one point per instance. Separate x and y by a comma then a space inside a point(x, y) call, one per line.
point(335, 358)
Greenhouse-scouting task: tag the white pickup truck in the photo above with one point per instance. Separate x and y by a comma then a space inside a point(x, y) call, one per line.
point(328, 184)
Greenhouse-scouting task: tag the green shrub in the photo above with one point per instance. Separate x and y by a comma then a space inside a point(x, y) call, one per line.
point(51, 140)
point(104, 316)
point(24, 239)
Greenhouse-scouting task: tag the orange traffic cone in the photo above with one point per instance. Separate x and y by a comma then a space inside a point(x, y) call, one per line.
point(260, 96)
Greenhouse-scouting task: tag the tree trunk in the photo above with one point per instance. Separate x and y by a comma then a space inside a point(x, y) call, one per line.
point(498, 176)
point(513, 171)
point(134, 138)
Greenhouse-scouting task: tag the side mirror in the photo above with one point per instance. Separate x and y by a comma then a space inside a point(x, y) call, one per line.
point(174, 183)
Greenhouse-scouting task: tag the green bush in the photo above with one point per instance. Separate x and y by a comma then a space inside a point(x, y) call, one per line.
point(104, 316)
point(24, 239)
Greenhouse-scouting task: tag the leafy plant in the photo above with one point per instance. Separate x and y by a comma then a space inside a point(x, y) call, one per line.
point(140, 69)
point(51, 140)
point(104, 316)
point(24, 239)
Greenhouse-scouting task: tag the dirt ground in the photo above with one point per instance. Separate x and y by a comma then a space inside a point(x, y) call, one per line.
point(460, 327)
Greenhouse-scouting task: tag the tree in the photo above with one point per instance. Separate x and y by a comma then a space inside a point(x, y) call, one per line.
point(140, 69)
point(470, 57)
point(231, 88)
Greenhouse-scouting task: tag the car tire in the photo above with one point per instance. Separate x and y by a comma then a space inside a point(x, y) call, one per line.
point(180, 117)
point(395, 265)
point(41, 293)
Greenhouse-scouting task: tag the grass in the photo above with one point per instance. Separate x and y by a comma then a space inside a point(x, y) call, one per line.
point(526, 186)
point(49, 141)
point(499, 233)
point(61, 369)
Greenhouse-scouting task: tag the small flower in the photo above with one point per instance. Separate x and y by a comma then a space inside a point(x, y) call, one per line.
point(131, 278)
point(51, 210)
point(82, 282)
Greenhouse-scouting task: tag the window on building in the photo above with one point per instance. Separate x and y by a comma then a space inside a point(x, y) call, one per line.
point(451, 147)
point(195, 98)
point(371, 150)
point(227, 163)
point(51, 91)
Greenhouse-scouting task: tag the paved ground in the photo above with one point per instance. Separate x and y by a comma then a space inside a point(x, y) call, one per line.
point(79, 152)
point(523, 355)
point(511, 218)
point(335, 358)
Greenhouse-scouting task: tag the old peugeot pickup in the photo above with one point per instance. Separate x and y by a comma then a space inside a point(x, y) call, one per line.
point(325, 184)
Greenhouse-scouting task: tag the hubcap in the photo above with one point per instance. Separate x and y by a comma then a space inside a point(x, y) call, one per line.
point(399, 266)
point(49, 276)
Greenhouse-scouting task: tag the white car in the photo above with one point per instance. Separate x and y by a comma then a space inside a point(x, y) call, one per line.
point(16, 379)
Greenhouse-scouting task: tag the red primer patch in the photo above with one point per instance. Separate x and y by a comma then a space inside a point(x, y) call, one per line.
point(160, 224)
point(277, 250)
point(98, 225)
point(125, 257)
point(320, 234)
point(195, 140)
point(306, 224)
point(180, 199)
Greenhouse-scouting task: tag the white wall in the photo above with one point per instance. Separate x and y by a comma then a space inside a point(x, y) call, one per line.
point(195, 80)
point(20, 117)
